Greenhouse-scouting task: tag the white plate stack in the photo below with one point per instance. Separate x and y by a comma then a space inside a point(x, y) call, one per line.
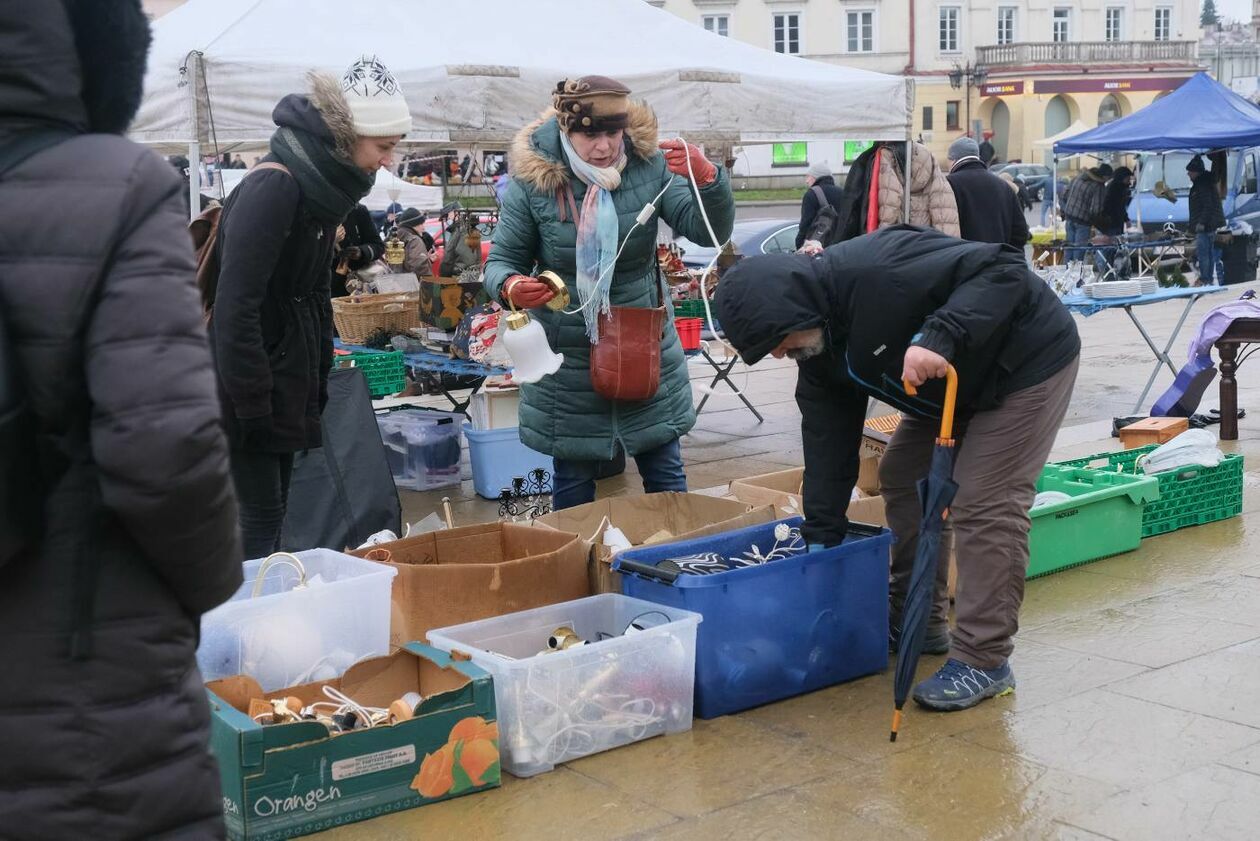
point(1116, 289)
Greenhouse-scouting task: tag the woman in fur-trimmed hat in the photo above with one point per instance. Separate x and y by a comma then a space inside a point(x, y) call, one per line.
point(271, 329)
point(581, 174)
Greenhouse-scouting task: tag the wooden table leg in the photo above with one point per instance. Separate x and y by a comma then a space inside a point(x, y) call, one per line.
point(1229, 390)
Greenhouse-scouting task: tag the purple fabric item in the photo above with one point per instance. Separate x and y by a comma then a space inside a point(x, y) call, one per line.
point(1217, 321)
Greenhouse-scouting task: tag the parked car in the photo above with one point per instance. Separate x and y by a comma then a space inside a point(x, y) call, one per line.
point(751, 236)
point(1241, 200)
point(1036, 177)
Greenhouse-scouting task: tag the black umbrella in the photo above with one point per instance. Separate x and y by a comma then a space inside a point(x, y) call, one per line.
point(936, 492)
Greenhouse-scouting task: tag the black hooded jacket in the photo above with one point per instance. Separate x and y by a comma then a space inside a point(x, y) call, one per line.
point(104, 722)
point(810, 206)
point(976, 304)
point(988, 209)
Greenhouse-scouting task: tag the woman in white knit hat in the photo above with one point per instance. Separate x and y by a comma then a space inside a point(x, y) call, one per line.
point(271, 325)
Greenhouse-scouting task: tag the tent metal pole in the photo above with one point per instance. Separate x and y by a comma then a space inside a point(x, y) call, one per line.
point(1137, 181)
point(1054, 191)
point(905, 211)
point(194, 180)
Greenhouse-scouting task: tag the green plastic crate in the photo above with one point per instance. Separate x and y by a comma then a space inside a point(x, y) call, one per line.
point(385, 372)
point(1190, 496)
point(1103, 518)
point(689, 309)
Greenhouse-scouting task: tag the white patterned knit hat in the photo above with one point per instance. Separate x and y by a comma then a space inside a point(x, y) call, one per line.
point(375, 99)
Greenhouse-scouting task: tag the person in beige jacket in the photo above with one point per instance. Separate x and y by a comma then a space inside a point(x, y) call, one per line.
point(932, 203)
point(419, 256)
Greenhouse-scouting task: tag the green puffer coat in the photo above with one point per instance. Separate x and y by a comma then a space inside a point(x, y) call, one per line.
point(562, 415)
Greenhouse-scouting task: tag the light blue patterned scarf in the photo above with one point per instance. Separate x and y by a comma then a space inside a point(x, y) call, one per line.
point(597, 230)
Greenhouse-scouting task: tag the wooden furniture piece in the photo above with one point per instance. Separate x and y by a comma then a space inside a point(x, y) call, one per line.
point(1152, 431)
point(1243, 331)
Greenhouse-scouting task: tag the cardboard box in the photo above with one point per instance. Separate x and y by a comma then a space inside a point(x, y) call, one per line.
point(285, 780)
point(444, 301)
point(654, 518)
point(1152, 431)
point(460, 575)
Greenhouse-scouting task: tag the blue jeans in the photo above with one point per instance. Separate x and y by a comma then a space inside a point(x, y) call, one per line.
point(573, 480)
point(1077, 234)
point(1209, 258)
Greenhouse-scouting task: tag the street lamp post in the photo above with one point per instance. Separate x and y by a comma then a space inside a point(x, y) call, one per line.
point(972, 75)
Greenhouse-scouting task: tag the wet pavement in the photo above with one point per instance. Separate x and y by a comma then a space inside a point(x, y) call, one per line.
point(1136, 714)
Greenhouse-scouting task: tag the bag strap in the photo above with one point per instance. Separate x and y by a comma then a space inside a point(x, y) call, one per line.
point(820, 195)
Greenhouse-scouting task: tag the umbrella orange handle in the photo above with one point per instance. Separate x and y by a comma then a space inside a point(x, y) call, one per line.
point(951, 400)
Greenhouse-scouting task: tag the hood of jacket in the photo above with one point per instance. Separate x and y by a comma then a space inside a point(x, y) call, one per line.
point(71, 65)
point(536, 157)
point(764, 298)
point(323, 112)
point(923, 170)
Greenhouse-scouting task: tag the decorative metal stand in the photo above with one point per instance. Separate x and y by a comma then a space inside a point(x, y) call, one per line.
point(528, 498)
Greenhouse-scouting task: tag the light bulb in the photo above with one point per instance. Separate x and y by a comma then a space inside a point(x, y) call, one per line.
point(526, 343)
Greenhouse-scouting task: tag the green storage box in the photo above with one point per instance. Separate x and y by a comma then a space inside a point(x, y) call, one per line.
point(1190, 496)
point(285, 780)
point(384, 370)
point(1103, 518)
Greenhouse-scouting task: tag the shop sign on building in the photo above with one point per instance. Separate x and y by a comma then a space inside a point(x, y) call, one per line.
point(1101, 85)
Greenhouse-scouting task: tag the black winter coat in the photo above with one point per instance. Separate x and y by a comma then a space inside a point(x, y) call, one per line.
point(360, 233)
point(976, 304)
point(1205, 203)
point(105, 320)
point(988, 210)
point(272, 325)
point(810, 206)
point(1115, 212)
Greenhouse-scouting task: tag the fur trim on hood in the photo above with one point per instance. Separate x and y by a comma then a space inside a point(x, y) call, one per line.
point(331, 103)
point(537, 168)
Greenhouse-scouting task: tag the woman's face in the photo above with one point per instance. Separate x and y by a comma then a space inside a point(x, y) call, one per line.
point(372, 153)
point(598, 148)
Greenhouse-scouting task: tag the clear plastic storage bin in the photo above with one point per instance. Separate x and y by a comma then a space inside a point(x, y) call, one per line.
point(422, 447)
point(287, 633)
point(616, 689)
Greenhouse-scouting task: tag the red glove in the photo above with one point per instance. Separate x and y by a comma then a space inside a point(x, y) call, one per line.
point(677, 154)
point(527, 292)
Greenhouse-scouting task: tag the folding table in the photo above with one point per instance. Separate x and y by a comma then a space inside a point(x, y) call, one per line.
point(722, 374)
point(1085, 306)
point(437, 363)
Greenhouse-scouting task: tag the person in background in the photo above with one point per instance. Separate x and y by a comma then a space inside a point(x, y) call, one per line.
point(988, 209)
point(820, 177)
point(180, 163)
point(126, 532)
point(597, 149)
point(464, 166)
point(457, 255)
point(977, 306)
point(359, 248)
point(419, 254)
point(1082, 203)
point(271, 326)
point(985, 150)
point(1206, 215)
point(229, 162)
point(1115, 214)
point(1047, 198)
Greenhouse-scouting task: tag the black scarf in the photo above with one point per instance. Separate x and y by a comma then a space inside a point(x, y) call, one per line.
point(331, 185)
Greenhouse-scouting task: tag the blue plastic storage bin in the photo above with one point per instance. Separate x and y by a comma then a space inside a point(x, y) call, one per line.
point(498, 457)
point(776, 630)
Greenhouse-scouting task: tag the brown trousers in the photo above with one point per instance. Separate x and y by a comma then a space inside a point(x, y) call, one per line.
point(1000, 454)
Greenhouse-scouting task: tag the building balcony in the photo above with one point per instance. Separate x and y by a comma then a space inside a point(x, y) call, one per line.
point(1088, 52)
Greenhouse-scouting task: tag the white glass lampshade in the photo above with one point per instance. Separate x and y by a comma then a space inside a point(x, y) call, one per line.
point(526, 343)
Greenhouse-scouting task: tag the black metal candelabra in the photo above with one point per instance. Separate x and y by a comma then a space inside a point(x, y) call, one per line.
point(528, 498)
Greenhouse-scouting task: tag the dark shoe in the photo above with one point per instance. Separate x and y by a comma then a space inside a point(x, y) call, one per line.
point(957, 686)
point(937, 641)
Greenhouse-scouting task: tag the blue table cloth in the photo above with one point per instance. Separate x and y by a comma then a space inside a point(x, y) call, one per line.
point(1085, 306)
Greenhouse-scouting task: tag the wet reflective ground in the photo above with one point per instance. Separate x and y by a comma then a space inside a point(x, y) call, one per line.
point(1136, 715)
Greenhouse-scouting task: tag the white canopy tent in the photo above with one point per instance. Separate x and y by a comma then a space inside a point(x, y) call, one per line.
point(218, 67)
point(1047, 143)
point(388, 188)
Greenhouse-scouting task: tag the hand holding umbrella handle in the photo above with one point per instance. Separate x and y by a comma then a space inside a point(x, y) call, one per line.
point(951, 399)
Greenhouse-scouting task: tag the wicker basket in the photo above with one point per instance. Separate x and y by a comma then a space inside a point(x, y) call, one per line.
point(360, 316)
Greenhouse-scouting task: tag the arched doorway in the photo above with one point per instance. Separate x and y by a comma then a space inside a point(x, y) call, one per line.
point(1058, 116)
point(1110, 109)
point(1000, 122)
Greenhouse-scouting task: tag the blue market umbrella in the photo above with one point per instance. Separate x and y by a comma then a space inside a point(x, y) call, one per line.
point(936, 492)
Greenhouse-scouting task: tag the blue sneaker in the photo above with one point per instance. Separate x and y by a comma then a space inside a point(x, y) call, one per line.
point(957, 686)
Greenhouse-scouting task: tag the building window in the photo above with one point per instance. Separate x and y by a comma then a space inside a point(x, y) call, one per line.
point(787, 34)
point(927, 117)
point(948, 31)
point(1006, 25)
point(1061, 29)
point(1113, 16)
point(951, 115)
point(860, 31)
point(789, 154)
point(1163, 23)
point(717, 24)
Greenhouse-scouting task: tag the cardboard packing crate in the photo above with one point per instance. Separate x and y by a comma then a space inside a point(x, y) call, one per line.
point(650, 518)
point(1143, 433)
point(444, 300)
point(285, 780)
point(461, 575)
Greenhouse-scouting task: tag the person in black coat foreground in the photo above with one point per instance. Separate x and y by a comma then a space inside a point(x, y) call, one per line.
point(901, 304)
point(271, 327)
point(132, 532)
point(988, 209)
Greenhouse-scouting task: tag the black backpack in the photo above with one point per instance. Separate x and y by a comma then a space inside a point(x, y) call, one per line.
point(825, 228)
point(21, 497)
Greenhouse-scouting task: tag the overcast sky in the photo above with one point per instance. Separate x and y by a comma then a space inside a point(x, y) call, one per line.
point(1234, 9)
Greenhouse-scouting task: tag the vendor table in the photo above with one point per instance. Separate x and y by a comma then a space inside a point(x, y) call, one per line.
point(437, 363)
point(723, 374)
point(1084, 306)
point(1242, 332)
